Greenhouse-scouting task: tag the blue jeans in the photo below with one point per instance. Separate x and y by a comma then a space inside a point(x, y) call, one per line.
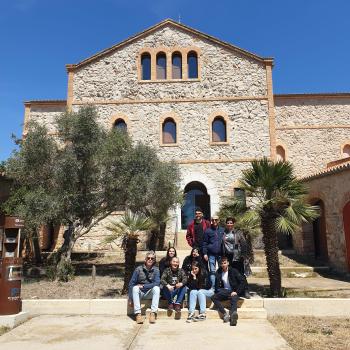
point(212, 260)
point(178, 292)
point(138, 294)
point(201, 294)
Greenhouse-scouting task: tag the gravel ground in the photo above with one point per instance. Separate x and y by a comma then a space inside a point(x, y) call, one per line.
point(314, 333)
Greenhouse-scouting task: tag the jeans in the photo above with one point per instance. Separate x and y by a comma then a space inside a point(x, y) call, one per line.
point(201, 294)
point(178, 292)
point(138, 294)
point(224, 294)
point(212, 260)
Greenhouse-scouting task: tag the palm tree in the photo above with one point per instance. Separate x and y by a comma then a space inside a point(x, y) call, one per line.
point(276, 199)
point(127, 232)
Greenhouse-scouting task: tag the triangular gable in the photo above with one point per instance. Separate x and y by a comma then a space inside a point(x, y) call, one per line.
point(159, 26)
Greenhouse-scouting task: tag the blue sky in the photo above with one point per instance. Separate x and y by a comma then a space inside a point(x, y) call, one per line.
point(308, 39)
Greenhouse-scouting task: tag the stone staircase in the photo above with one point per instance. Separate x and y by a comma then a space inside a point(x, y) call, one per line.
point(247, 309)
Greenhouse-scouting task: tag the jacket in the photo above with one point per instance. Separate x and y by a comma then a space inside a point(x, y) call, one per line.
point(187, 264)
point(212, 243)
point(148, 278)
point(197, 284)
point(172, 277)
point(236, 280)
point(190, 235)
point(241, 241)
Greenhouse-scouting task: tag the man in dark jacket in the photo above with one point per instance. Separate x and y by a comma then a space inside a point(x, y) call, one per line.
point(196, 229)
point(212, 247)
point(229, 285)
point(144, 284)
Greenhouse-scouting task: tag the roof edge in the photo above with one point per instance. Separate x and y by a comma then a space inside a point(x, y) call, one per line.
point(314, 95)
point(45, 102)
point(70, 67)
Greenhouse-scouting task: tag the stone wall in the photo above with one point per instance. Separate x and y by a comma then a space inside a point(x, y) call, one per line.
point(311, 129)
point(223, 72)
point(334, 191)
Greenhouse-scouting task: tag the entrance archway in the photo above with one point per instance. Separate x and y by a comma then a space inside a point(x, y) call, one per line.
point(196, 196)
point(319, 233)
point(346, 222)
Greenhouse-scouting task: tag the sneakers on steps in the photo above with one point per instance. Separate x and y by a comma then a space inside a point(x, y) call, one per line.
point(190, 317)
point(200, 317)
point(233, 318)
point(226, 317)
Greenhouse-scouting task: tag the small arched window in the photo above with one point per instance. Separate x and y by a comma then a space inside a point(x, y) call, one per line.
point(192, 65)
point(176, 62)
point(146, 66)
point(219, 130)
point(169, 131)
point(280, 153)
point(120, 125)
point(346, 151)
point(161, 65)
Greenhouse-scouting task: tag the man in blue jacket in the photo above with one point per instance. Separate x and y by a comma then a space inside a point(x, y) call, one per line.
point(212, 247)
point(144, 284)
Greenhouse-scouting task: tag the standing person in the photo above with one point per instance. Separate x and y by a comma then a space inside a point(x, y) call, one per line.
point(144, 284)
point(189, 259)
point(235, 247)
point(199, 287)
point(212, 246)
point(174, 282)
point(229, 285)
point(196, 229)
point(165, 262)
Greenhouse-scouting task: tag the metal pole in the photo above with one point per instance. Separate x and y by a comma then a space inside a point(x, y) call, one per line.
point(19, 242)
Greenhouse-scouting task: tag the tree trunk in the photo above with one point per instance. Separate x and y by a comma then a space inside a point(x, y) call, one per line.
point(161, 237)
point(130, 261)
point(36, 247)
point(271, 253)
point(152, 245)
point(64, 266)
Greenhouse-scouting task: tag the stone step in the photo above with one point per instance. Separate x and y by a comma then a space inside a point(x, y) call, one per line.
point(256, 302)
point(243, 313)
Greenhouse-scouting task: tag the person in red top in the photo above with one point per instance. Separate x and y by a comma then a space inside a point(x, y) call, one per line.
point(196, 229)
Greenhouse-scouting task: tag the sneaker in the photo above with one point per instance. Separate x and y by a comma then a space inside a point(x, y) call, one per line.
point(152, 317)
point(190, 317)
point(246, 295)
point(233, 318)
point(226, 317)
point(139, 319)
point(200, 317)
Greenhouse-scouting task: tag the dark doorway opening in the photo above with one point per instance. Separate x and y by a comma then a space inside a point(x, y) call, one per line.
point(346, 222)
point(196, 196)
point(319, 231)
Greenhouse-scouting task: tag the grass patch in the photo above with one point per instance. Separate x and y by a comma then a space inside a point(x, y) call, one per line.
point(314, 333)
point(3, 330)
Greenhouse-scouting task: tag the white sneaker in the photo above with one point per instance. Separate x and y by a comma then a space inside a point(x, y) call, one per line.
point(190, 317)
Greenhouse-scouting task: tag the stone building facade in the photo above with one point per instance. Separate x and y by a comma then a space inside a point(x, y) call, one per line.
point(218, 101)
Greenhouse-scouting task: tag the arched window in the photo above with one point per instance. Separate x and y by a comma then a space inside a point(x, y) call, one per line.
point(346, 151)
point(169, 131)
point(146, 66)
point(219, 130)
point(161, 65)
point(192, 65)
point(280, 153)
point(120, 125)
point(176, 62)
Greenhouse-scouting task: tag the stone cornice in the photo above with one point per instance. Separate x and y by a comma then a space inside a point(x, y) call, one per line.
point(182, 27)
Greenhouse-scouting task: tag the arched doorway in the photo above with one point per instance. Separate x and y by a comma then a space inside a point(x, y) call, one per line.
point(346, 222)
point(196, 196)
point(319, 233)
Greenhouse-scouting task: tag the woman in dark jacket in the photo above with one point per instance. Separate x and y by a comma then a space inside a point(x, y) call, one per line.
point(194, 256)
point(199, 288)
point(165, 262)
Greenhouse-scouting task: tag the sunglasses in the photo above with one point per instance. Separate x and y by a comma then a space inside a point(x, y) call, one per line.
point(149, 258)
point(215, 219)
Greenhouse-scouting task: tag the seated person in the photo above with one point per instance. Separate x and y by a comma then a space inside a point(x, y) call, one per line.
point(165, 262)
point(174, 282)
point(144, 284)
point(194, 256)
point(229, 285)
point(198, 284)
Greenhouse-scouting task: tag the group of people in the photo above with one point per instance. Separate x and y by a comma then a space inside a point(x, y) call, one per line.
point(199, 276)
